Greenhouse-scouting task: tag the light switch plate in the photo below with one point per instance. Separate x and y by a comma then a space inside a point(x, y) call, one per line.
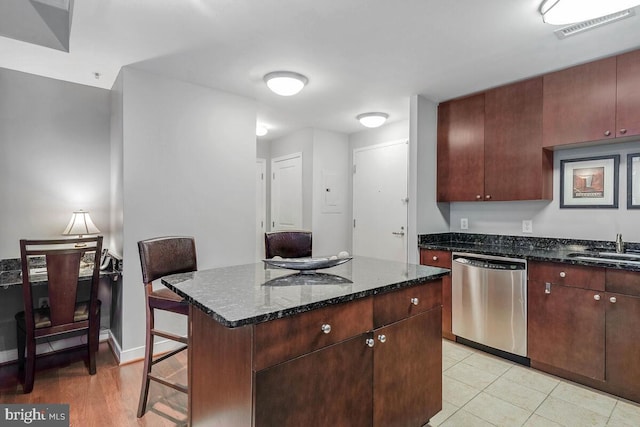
point(527, 226)
point(464, 224)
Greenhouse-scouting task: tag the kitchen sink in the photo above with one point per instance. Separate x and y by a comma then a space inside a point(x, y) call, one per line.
point(631, 257)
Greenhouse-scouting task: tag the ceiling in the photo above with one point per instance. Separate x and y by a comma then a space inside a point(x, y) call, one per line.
point(359, 55)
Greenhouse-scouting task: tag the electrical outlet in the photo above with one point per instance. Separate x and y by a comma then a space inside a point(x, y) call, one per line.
point(464, 224)
point(527, 226)
point(43, 302)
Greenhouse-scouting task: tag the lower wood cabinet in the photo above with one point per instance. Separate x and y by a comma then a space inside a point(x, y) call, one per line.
point(439, 258)
point(375, 361)
point(586, 329)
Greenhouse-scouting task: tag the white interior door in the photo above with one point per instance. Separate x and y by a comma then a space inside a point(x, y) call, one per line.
point(261, 206)
point(286, 192)
point(380, 201)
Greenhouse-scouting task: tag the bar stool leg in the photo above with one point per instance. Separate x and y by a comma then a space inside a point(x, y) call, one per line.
point(148, 355)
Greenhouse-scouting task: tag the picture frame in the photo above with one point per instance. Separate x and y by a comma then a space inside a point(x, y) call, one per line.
point(589, 182)
point(633, 181)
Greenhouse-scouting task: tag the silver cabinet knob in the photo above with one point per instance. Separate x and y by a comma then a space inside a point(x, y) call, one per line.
point(382, 338)
point(613, 300)
point(370, 342)
point(478, 197)
point(596, 297)
point(623, 131)
point(563, 274)
point(607, 132)
point(435, 258)
point(326, 328)
point(415, 301)
point(488, 196)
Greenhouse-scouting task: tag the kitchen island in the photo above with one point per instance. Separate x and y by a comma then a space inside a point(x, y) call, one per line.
point(357, 344)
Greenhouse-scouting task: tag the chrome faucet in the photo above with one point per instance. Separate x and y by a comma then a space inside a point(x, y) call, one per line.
point(619, 244)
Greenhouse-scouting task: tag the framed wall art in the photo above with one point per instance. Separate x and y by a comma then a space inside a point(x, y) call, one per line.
point(633, 181)
point(590, 182)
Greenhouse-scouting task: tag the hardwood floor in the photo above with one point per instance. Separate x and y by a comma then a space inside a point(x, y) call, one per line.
point(109, 398)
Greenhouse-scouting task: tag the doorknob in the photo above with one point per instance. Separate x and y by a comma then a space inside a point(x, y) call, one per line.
point(398, 233)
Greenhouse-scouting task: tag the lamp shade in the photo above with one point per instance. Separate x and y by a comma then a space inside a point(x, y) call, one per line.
point(285, 83)
point(562, 12)
point(80, 224)
point(372, 120)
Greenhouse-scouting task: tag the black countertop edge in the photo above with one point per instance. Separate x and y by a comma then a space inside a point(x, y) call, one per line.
point(301, 308)
point(529, 248)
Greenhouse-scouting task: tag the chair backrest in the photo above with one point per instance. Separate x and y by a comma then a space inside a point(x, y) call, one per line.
point(166, 255)
point(67, 263)
point(288, 244)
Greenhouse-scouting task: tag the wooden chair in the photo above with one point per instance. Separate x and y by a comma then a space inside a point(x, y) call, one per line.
point(160, 257)
point(68, 263)
point(288, 244)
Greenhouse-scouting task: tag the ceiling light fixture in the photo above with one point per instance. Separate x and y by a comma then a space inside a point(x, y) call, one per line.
point(372, 120)
point(562, 12)
point(261, 130)
point(285, 83)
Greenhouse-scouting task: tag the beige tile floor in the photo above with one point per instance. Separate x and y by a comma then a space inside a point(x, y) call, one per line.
point(479, 390)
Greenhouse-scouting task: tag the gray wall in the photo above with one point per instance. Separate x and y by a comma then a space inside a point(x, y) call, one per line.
point(54, 159)
point(188, 169)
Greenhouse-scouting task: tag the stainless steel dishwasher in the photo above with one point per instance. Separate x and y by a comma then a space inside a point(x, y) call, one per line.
point(489, 301)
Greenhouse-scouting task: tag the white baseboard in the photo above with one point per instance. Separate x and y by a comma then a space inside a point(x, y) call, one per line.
point(11, 355)
point(137, 353)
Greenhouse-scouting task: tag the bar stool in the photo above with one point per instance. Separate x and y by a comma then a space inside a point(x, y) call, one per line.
point(288, 244)
point(160, 257)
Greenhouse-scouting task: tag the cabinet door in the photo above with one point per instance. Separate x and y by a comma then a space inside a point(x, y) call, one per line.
point(461, 149)
point(623, 345)
point(407, 375)
point(566, 328)
point(579, 104)
point(438, 258)
point(323, 388)
point(513, 144)
point(628, 88)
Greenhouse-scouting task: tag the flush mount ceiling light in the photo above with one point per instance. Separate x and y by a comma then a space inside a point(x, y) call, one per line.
point(562, 12)
point(372, 120)
point(285, 83)
point(261, 130)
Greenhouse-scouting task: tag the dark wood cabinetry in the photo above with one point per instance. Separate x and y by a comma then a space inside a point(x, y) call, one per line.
point(592, 102)
point(566, 321)
point(490, 146)
point(583, 325)
point(437, 258)
point(374, 361)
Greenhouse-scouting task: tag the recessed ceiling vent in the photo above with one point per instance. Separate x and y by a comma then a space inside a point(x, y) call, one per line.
point(581, 27)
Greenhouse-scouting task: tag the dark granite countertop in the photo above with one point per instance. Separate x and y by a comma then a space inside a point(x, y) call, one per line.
point(249, 294)
point(529, 248)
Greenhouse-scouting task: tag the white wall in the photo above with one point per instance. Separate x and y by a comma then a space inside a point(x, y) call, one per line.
point(548, 219)
point(189, 166)
point(331, 224)
point(54, 157)
point(425, 216)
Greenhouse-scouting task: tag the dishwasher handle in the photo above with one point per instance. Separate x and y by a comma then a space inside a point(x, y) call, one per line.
point(490, 264)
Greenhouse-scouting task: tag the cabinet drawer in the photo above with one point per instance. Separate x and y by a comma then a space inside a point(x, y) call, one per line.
point(283, 339)
point(435, 258)
point(567, 275)
point(623, 282)
point(401, 304)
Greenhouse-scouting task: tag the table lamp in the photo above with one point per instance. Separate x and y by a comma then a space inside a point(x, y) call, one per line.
point(80, 224)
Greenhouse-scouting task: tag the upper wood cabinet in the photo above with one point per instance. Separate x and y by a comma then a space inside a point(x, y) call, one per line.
point(628, 94)
point(461, 149)
point(592, 102)
point(490, 146)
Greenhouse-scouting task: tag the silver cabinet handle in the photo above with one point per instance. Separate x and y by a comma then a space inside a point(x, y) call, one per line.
point(326, 328)
point(547, 288)
point(623, 131)
point(563, 274)
point(382, 338)
point(415, 301)
point(613, 300)
point(607, 132)
point(370, 342)
point(596, 297)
